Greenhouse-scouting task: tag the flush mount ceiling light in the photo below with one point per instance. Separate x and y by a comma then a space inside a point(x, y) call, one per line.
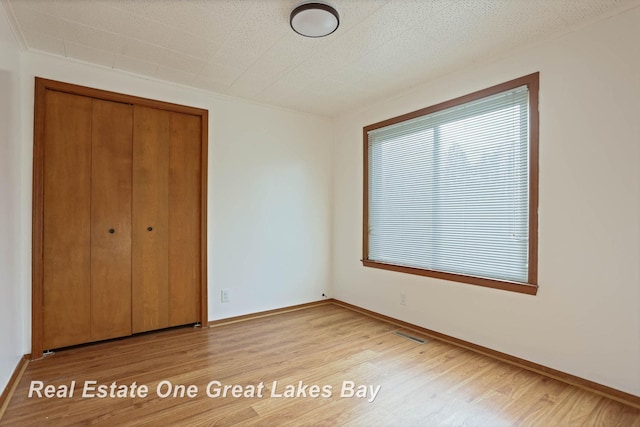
point(314, 19)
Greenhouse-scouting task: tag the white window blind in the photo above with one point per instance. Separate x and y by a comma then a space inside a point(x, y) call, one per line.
point(449, 191)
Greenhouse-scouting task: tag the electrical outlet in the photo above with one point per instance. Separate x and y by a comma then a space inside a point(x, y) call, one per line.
point(225, 295)
point(403, 298)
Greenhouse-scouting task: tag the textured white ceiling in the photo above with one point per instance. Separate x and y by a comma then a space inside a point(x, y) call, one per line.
point(6, 36)
point(245, 48)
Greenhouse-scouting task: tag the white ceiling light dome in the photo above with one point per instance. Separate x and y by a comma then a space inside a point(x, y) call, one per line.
point(314, 19)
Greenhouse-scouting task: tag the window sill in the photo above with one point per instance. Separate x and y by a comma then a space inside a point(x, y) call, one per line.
point(523, 288)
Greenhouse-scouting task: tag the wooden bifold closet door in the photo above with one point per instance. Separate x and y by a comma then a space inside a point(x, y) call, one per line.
point(67, 243)
point(119, 215)
point(166, 218)
point(111, 164)
point(87, 194)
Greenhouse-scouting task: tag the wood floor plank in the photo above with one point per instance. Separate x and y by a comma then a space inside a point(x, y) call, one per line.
point(431, 384)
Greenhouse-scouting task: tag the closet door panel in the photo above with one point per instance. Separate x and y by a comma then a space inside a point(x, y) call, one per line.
point(66, 222)
point(150, 283)
point(184, 219)
point(111, 220)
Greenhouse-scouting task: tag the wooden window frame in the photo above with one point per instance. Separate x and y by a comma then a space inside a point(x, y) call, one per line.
point(531, 286)
point(37, 258)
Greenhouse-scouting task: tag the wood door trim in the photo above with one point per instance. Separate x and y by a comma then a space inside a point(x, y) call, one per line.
point(37, 261)
point(118, 97)
point(204, 156)
point(37, 231)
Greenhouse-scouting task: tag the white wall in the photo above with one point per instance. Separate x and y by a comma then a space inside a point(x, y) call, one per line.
point(269, 190)
point(11, 241)
point(585, 319)
point(270, 222)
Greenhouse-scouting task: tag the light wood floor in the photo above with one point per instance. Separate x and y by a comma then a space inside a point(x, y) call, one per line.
point(433, 384)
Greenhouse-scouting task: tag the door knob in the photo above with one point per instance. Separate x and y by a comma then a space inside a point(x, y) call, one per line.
point(111, 230)
point(149, 228)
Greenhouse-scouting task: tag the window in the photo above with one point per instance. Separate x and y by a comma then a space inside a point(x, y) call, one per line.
point(451, 191)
